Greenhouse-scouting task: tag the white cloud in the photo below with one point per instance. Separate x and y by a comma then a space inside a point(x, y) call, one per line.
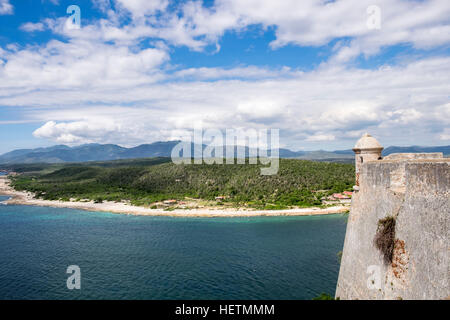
point(329, 105)
point(405, 116)
point(249, 72)
point(31, 27)
point(321, 137)
point(139, 8)
point(424, 24)
point(79, 63)
point(6, 7)
point(77, 131)
point(101, 85)
point(445, 135)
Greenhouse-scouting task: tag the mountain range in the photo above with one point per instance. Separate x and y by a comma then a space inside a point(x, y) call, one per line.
point(104, 152)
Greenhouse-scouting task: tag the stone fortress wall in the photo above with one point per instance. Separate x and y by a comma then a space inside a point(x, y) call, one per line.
point(410, 191)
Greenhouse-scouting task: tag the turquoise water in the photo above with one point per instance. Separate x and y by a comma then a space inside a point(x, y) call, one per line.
point(132, 257)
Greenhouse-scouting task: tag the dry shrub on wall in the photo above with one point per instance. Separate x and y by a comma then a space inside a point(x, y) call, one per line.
point(385, 238)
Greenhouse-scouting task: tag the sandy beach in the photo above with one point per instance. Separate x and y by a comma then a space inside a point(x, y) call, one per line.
point(26, 198)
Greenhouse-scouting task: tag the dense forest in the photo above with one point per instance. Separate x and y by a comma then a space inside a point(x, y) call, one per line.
point(146, 181)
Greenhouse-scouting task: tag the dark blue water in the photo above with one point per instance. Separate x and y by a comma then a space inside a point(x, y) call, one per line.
point(132, 257)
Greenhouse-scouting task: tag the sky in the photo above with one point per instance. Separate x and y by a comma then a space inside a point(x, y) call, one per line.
point(138, 71)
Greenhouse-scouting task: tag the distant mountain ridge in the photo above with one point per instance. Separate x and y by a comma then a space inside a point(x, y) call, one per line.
point(104, 152)
point(417, 149)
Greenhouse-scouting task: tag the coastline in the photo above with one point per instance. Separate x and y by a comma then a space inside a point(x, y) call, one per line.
point(26, 198)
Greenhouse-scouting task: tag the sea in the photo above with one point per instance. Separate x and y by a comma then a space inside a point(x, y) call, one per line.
point(140, 257)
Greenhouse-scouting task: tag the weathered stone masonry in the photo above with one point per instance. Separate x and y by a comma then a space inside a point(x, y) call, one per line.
point(414, 190)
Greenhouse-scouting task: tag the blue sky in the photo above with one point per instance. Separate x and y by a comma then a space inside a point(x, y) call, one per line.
point(140, 71)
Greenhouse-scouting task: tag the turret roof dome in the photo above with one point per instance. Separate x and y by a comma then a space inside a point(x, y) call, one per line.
point(368, 142)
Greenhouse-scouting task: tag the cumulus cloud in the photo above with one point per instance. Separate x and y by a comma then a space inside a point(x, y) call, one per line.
point(423, 24)
point(322, 106)
point(79, 63)
point(101, 84)
point(260, 108)
point(321, 137)
point(139, 8)
point(249, 72)
point(6, 7)
point(445, 135)
point(31, 27)
point(77, 131)
point(127, 126)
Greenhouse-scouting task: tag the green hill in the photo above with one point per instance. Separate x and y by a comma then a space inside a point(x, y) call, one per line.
point(107, 152)
point(146, 182)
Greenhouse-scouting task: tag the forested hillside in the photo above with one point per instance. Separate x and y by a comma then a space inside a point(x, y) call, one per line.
point(298, 182)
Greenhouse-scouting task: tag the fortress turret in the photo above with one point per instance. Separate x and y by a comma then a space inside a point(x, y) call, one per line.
point(366, 149)
point(396, 244)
